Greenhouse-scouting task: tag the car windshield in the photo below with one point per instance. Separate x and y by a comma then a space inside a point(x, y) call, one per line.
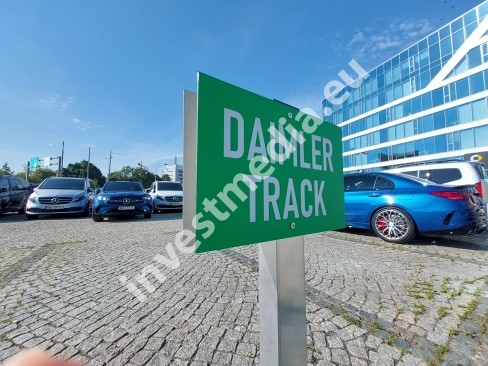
point(123, 187)
point(63, 183)
point(169, 186)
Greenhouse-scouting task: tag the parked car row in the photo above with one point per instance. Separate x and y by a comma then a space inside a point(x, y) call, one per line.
point(396, 206)
point(78, 196)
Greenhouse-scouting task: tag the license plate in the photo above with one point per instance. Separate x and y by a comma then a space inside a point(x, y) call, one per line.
point(175, 204)
point(123, 208)
point(55, 207)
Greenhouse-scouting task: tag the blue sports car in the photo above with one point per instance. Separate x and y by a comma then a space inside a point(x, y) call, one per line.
point(398, 207)
point(121, 198)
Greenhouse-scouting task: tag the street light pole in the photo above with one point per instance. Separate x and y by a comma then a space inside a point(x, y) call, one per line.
point(61, 160)
point(155, 170)
point(110, 162)
point(109, 165)
point(88, 165)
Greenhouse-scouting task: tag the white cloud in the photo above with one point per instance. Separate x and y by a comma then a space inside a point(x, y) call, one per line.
point(84, 125)
point(57, 102)
point(374, 45)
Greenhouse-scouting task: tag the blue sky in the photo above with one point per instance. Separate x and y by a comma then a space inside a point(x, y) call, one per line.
point(110, 74)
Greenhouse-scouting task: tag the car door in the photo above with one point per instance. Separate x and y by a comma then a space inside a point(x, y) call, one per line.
point(16, 194)
point(4, 193)
point(360, 198)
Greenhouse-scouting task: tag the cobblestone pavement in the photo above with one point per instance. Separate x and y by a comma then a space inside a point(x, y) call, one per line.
point(368, 302)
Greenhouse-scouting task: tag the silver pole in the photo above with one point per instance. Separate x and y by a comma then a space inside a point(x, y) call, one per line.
point(88, 165)
point(282, 305)
point(189, 158)
point(62, 160)
point(109, 165)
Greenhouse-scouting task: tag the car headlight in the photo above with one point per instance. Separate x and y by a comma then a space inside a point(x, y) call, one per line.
point(161, 197)
point(147, 198)
point(33, 198)
point(102, 198)
point(79, 198)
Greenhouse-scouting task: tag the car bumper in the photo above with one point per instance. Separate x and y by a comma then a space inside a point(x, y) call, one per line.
point(39, 209)
point(109, 210)
point(167, 205)
point(458, 224)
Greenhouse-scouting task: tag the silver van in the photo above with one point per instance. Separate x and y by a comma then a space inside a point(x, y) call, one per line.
point(451, 173)
point(60, 195)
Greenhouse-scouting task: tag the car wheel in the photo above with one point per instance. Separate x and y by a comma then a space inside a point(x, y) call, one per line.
point(97, 218)
point(32, 217)
point(393, 225)
point(147, 215)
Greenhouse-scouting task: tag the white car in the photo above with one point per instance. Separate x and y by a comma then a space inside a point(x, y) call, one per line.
point(166, 195)
point(451, 173)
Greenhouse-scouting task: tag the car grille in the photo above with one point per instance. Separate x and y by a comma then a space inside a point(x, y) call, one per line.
point(129, 200)
point(55, 200)
point(174, 198)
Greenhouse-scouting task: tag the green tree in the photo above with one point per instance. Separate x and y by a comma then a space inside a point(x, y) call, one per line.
point(38, 175)
point(20, 175)
point(78, 170)
point(6, 170)
point(166, 177)
point(140, 174)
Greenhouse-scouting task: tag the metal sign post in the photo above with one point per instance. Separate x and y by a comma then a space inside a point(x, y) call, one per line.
point(282, 307)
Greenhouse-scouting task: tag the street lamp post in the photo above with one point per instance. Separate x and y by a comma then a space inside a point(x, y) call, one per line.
point(110, 162)
point(155, 170)
point(62, 160)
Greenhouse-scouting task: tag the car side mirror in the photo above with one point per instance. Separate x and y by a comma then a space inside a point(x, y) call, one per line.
point(148, 190)
point(97, 191)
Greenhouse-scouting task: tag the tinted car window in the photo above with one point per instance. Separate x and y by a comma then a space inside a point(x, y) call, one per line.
point(481, 171)
point(25, 184)
point(17, 185)
point(169, 186)
point(356, 183)
point(4, 186)
point(60, 183)
point(123, 187)
point(441, 176)
point(382, 183)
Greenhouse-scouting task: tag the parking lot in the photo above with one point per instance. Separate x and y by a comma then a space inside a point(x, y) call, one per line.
point(369, 302)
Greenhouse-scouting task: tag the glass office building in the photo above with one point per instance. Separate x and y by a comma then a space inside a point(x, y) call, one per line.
point(427, 103)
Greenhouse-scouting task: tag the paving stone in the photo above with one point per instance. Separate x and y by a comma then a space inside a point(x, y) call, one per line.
point(222, 358)
point(186, 352)
point(340, 356)
point(206, 312)
point(334, 341)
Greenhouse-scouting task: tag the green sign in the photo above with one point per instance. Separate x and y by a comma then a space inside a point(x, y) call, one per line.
point(264, 170)
point(34, 162)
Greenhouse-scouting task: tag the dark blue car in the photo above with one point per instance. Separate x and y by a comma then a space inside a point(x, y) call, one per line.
point(398, 207)
point(121, 198)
